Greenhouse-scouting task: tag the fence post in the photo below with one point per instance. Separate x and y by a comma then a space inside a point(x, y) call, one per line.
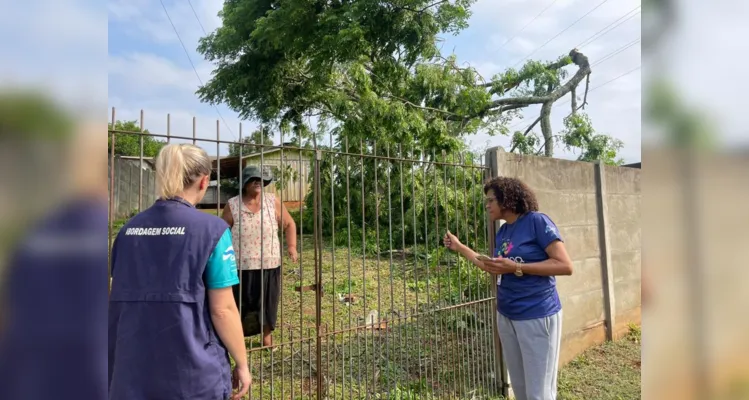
point(607, 272)
point(493, 164)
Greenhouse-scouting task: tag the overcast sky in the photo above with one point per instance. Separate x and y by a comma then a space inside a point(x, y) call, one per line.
point(148, 68)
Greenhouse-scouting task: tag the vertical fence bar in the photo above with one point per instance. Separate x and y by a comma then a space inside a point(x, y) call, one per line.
point(140, 166)
point(483, 289)
point(194, 130)
point(375, 348)
point(130, 191)
point(489, 308)
point(281, 266)
point(390, 317)
point(403, 259)
point(437, 313)
point(240, 216)
point(416, 319)
point(263, 209)
point(425, 165)
point(348, 255)
point(479, 369)
point(364, 271)
point(318, 271)
point(332, 255)
point(111, 193)
point(471, 350)
point(459, 332)
point(218, 171)
point(451, 353)
point(301, 272)
point(168, 128)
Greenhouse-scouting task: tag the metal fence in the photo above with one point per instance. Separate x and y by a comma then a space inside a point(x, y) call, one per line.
point(375, 307)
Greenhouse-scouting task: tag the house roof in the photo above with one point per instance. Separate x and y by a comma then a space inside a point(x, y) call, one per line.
point(147, 160)
point(230, 165)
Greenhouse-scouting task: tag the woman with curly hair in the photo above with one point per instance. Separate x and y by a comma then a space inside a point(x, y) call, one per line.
point(530, 253)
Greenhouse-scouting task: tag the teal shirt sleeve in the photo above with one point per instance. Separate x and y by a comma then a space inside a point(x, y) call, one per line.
point(221, 271)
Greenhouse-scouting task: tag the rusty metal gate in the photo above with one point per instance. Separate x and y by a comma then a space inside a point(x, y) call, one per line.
point(375, 307)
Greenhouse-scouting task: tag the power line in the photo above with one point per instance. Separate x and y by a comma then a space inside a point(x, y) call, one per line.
point(560, 33)
point(595, 37)
point(192, 64)
point(611, 80)
point(196, 17)
point(616, 52)
point(603, 84)
point(528, 24)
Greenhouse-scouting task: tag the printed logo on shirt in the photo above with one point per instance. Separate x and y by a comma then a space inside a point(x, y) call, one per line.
point(229, 254)
point(505, 249)
point(165, 231)
point(551, 230)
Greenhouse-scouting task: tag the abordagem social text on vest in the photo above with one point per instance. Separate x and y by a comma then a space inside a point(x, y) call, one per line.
point(163, 231)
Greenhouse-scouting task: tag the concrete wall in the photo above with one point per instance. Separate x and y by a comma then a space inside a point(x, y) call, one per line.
point(568, 191)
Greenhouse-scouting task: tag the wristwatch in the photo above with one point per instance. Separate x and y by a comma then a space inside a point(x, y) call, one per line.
point(518, 269)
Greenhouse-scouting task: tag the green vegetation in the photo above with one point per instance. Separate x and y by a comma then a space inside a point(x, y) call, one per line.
point(610, 371)
point(126, 144)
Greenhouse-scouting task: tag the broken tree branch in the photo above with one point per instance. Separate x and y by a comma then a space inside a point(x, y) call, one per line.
point(546, 128)
point(581, 61)
point(578, 59)
point(574, 100)
point(512, 85)
point(587, 86)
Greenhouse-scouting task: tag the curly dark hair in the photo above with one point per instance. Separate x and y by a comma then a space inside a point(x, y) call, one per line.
point(512, 194)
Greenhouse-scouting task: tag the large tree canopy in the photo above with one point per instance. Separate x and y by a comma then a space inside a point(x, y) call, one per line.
point(372, 70)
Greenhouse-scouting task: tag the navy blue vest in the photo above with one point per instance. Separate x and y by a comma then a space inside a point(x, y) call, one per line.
point(162, 343)
point(53, 340)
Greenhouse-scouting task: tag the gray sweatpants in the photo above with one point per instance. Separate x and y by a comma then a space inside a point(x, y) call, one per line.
point(531, 353)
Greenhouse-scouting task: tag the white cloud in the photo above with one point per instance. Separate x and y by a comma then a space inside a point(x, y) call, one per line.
point(146, 74)
point(57, 48)
point(147, 20)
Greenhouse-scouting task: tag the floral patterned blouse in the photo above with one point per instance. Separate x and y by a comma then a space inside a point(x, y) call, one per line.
point(249, 242)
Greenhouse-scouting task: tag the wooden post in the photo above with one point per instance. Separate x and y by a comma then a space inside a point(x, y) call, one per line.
point(607, 272)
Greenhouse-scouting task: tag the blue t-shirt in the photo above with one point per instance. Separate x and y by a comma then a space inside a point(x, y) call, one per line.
point(525, 241)
point(221, 270)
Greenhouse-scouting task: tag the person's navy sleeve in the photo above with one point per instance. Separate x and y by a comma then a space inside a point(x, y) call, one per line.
point(221, 271)
point(546, 230)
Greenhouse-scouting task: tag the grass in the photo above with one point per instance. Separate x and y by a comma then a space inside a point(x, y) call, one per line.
point(610, 371)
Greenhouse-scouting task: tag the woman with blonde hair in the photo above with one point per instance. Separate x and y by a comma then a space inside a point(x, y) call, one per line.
point(172, 315)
